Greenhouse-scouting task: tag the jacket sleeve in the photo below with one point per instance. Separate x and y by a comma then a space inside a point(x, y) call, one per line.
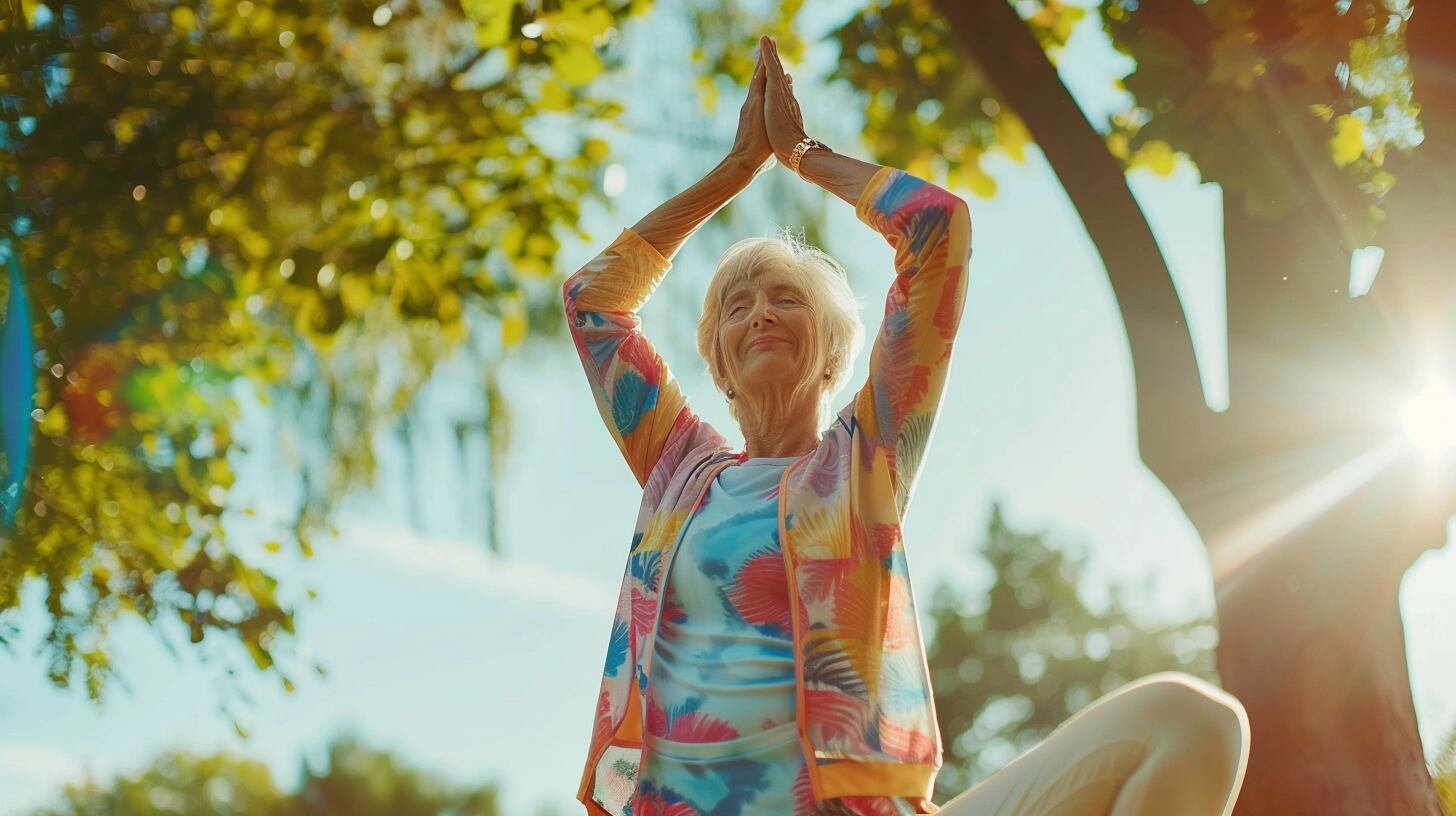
point(635, 393)
point(930, 231)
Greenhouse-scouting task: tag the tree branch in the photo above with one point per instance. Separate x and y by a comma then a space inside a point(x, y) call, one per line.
point(1169, 394)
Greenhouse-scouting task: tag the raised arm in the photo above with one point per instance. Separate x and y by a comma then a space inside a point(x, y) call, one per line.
point(930, 231)
point(638, 398)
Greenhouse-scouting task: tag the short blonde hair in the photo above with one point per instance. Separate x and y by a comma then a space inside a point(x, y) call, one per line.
point(830, 298)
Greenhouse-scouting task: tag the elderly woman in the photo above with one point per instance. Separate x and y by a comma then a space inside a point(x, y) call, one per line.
point(766, 658)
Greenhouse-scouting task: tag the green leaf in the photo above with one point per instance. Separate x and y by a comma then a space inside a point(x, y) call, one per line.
point(1348, 143)
point(494, 21)
point(574, 63)
point(1157, 156)
point(575, 23)
point(554, 97)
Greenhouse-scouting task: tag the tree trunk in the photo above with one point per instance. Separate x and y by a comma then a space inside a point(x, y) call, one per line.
point(1310, 512)
point(1321, 545)
point(1329, 700)
point(1416, 287)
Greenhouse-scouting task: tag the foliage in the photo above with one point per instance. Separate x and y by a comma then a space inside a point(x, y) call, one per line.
point(1011, 664)
point(1299, 78)
point(357, 780)
point(312, 201)
point(179, 783)
point(1444, 774)
point(928, 109)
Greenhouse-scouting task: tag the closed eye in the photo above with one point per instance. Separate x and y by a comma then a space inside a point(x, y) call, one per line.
point(785, 299)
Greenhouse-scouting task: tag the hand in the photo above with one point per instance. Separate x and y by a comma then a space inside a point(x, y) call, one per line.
point(781, 116)
point(751, 145)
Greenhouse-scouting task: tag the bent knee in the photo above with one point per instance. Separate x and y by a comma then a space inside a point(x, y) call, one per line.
point(1193, 711)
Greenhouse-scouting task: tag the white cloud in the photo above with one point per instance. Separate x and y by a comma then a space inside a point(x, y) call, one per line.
point(31, 775)
point(462, 560)
point(31, 760)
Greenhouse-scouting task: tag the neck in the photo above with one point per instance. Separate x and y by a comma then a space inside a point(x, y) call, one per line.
point(774, 429)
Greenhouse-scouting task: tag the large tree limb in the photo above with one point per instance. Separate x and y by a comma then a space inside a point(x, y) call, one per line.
point(1169, 394)
point(1416, 288)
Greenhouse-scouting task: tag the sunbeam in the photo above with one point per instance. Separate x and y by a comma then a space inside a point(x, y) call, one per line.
point(1243, 541)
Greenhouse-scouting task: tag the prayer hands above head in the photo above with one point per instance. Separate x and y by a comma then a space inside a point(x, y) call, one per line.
point(782, 118)
point(751, 143)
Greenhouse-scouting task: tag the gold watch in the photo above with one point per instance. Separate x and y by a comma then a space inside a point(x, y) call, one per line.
point(800, 149)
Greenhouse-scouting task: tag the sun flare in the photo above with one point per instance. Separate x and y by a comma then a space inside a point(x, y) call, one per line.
point(1430, 418)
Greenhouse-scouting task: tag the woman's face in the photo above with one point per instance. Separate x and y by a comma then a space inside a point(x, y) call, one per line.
point(766, 332)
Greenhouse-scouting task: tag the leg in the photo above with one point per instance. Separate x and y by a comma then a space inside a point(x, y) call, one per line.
point(1168, 744)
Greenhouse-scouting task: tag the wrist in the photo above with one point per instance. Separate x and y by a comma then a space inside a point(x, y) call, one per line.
point(743, 164)
point(801, 151)
point(809, 163)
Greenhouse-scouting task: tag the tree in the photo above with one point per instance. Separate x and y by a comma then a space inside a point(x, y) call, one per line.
point(178, 782)
point(1010, 664)
point(367, 782)
point(357, 780)
point(313, 200)
point(1304, 491)
point(1252, 92)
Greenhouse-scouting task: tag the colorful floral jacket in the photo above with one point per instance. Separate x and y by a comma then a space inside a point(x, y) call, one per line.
point(866, 719)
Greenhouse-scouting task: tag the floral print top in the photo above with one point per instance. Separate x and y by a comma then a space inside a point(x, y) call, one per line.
point(721, 733)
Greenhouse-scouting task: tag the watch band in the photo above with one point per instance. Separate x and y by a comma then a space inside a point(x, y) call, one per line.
point(800, 149)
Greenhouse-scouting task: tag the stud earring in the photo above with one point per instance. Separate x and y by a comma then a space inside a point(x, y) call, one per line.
point(730, 393)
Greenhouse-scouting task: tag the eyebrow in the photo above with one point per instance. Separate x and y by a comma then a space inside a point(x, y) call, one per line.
point(778, 287)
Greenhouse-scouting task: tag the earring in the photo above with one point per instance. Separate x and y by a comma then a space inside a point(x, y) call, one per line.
point(730, 393)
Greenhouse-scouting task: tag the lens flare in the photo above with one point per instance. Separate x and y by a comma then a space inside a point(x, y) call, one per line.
point(1430, 418)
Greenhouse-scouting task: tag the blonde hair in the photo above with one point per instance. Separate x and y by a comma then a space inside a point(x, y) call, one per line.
point(830, 299)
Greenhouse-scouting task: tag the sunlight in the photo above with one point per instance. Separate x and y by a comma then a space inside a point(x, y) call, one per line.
point(1241, 543)
point(1430, 418)
point(1428, 422)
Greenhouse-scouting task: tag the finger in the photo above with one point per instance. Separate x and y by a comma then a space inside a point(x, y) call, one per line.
point(779, 60)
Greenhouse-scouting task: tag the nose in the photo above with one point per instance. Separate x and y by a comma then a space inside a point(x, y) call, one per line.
point(761, 314)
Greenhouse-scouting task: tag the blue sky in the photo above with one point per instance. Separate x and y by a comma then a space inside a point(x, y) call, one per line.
point(483, 667)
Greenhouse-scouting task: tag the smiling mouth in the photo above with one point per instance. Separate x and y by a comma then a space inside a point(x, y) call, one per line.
point(764, 342)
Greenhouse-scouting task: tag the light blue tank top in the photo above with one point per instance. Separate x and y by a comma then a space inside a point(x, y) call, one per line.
point(721, 735)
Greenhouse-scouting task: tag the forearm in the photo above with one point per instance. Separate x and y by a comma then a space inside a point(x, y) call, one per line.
point(669, 226)
point(842, 175)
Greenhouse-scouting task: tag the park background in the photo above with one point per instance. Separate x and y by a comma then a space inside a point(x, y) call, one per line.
point(460, 607)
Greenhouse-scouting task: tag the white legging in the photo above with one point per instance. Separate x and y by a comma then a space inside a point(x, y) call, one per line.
point(1169, 744)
